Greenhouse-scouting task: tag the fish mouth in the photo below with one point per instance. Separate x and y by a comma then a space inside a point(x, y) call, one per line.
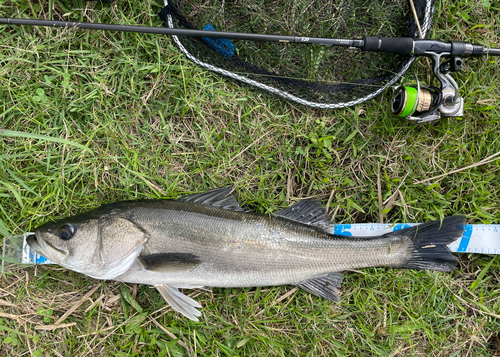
point(46, 249)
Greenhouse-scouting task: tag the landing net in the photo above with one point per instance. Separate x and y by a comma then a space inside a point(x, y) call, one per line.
point(313, 75)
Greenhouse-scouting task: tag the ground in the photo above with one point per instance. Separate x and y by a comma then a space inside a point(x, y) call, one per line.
point(95, 117)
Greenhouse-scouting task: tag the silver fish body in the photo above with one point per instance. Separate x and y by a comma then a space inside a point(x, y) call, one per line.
point(238, 249)
point(208, 240)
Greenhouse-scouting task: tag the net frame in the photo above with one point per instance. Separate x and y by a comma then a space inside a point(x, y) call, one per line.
point(405, 65)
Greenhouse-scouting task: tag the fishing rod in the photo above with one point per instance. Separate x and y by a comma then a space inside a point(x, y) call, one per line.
point(418, 103)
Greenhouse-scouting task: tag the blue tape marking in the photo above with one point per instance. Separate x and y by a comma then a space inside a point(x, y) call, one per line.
point(464, 243)
point(36, 258)
point(221, 45)
point(400, 226)
point(342, 229)
point(31, 256)
point(40, 259)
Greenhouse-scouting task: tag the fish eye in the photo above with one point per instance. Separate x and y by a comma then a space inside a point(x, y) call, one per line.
point(66, 231)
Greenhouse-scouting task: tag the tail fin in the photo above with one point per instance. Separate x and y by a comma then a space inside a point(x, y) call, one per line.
point(430, 244)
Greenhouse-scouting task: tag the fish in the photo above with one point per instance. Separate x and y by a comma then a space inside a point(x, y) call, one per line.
point(207, 240)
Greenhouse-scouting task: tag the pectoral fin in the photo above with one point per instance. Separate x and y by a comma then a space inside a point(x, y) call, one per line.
point(327, 287)
point(169, 262)
point(180, 302)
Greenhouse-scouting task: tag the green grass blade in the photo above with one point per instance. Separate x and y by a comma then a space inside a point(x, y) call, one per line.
point(481, 275)
point(20, 134)
point(4, 232)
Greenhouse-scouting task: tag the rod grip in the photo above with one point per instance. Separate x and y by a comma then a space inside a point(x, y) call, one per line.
point(401, 45)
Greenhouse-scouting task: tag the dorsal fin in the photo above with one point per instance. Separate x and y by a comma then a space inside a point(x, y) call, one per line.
point(309, 212)
point(219, 197)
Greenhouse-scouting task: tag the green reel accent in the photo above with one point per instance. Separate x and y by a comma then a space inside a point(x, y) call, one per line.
point(404, 101)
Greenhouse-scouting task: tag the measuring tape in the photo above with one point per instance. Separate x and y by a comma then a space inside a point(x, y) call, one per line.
point(477, 238)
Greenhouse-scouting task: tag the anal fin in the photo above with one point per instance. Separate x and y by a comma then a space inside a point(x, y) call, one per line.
point(180, 302)
point(327, 287)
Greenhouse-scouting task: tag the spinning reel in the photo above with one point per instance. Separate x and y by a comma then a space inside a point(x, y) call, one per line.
point(425, 104)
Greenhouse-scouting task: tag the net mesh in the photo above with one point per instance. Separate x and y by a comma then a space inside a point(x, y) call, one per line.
point(314, 75)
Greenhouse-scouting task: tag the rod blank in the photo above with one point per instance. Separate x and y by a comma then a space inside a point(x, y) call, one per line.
point(185, 32)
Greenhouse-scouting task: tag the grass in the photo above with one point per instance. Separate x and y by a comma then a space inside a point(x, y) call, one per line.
point(110, 116)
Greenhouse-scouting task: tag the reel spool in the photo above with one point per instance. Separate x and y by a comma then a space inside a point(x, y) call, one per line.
point(415, 102)
point(424, 104)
